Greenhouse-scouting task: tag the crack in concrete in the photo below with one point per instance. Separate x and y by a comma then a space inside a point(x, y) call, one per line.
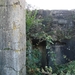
point(12, 68)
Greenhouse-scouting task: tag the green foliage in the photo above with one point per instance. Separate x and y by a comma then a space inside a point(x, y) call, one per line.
point(65, 69)
point(30, 19)
point(33, 58)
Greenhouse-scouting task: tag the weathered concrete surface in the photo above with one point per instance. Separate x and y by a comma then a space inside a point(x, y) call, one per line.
point(12, 37)
point(12, 62)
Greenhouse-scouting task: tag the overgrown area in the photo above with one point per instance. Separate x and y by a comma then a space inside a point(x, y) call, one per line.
point(49, 26)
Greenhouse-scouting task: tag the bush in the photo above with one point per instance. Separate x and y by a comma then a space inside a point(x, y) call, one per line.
point(33, 58)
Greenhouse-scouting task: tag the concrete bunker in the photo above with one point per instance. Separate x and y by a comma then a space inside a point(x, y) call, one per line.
point(64, 51)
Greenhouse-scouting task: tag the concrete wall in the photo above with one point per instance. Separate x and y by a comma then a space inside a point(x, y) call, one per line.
point(12, 37)
point(69, 49)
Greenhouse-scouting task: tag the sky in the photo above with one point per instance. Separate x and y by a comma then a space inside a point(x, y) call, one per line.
point(53, 4)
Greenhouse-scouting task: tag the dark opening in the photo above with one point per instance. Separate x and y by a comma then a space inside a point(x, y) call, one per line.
point(36, 42)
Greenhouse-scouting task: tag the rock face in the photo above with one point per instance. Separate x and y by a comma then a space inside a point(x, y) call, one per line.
point(12, 37)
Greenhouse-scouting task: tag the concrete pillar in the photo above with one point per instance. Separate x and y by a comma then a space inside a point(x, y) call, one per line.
point(12, 37)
